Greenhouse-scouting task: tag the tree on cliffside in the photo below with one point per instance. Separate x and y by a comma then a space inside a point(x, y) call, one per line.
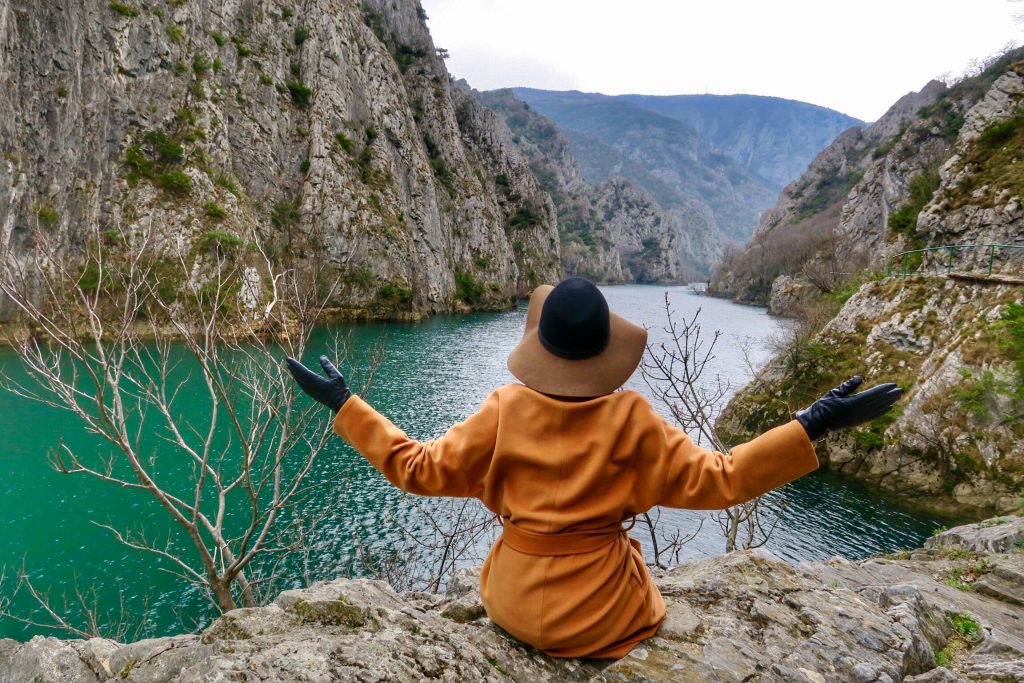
point(173, 361)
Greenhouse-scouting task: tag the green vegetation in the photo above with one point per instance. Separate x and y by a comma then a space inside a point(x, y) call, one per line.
point(994, 159)
point(157, 155)
point(89, 278)
point(1000, 133)
point(362, 276)
point(227, 182)
point(438, 164)
point(404, 55)
point(287, 12)
point(243, 51)
point(300, 35)
point(47, 215)
point(344, 142)
point(301, 93)
point(215, 210)
point(200, 64)
point(847, 288)
point(394, 295)
point(285, 213)
point(887, 145)
point(364, 162)
point(830, 188)
point(944, 115)
point(221, 240)
point(124, 9)
point(218, 38)
point(965, 625)
point(468, 289)
point(978, 394)
point(174, 182)
point(524, 217)
point(175, 32)
point(1012, 341)
point(920, 191)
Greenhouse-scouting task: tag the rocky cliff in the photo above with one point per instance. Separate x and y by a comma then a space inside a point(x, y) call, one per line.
point(610, 231)
point(948, 613)
point(941, 168)
point(328, 129)
point(848, 188)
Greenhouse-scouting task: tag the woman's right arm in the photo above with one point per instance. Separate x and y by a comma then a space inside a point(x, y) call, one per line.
point(452, 465)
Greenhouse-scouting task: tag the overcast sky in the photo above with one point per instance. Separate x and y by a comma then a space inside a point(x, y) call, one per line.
point(856, 57)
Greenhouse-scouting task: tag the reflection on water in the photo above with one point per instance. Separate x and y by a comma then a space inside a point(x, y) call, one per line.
point(435, 374)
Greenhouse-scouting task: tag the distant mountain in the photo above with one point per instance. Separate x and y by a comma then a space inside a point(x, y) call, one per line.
point(613, 138)
point(771, 137)
point(724, 158)
point(610, 231)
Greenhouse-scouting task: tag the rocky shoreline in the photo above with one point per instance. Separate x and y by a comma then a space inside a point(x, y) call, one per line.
point(952, 611)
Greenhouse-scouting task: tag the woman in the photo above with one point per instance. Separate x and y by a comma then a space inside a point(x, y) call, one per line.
point(564, 459)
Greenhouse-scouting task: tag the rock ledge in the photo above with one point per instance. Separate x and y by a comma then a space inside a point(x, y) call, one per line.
point(746, 616)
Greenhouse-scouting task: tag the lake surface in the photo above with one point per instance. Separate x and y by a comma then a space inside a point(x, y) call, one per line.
point(434, 374)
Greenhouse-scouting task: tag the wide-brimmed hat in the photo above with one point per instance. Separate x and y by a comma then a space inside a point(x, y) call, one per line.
point(573, 345)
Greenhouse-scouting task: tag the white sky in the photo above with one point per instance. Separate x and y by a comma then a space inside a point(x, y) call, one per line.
point(855, 57)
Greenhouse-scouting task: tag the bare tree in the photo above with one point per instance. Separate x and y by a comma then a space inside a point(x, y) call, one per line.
point(677, 373)
point(116, 337)
point(442, 536)
point(118, 623)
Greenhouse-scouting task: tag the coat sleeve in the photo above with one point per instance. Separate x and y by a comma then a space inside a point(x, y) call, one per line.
point(452, 465)
point(700, 479)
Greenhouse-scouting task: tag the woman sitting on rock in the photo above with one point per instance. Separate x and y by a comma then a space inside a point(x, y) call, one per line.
point(564, 459)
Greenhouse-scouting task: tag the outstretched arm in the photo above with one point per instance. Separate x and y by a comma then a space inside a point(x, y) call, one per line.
point(700, 479)
point(697, 478)
point(453, 465)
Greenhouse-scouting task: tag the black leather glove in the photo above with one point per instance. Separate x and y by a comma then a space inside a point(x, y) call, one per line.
point(838, 409)
point(332, 390)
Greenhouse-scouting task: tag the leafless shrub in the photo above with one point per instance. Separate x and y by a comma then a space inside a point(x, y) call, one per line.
point(442, 536)
point(675, 372)
point(114, 339)
point(118, 623)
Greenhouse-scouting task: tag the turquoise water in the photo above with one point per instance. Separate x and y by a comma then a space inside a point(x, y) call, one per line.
point(434, 375)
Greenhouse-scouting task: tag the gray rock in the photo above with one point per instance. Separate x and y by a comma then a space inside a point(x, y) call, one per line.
point(742, 616)
point(380, 170)
point(996, 535)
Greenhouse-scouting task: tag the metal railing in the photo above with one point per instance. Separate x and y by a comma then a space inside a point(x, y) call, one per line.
point(907, 257)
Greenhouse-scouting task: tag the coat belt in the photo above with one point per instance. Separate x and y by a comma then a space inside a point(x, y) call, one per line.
point(561, 543)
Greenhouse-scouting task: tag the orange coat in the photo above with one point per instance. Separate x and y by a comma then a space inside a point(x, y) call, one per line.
point(563, 476)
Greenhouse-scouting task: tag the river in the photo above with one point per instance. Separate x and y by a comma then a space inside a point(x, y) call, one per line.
point(434, 375)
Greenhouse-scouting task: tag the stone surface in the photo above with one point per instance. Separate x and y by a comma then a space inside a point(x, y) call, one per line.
point(745, 616)
point(330, 131)
point(956, 438)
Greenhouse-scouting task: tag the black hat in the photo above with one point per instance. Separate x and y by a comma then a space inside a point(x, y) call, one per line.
point(572, 344)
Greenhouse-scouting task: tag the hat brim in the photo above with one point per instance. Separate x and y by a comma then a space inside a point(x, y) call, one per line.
point(543, 371)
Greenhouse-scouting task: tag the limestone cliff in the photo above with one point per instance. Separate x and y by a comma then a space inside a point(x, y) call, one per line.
point(948, 613)
point(943, 173)
point(610, 231)
point(329, 128)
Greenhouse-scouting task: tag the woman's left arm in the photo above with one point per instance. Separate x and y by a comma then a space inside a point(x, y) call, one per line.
point(452, 465)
